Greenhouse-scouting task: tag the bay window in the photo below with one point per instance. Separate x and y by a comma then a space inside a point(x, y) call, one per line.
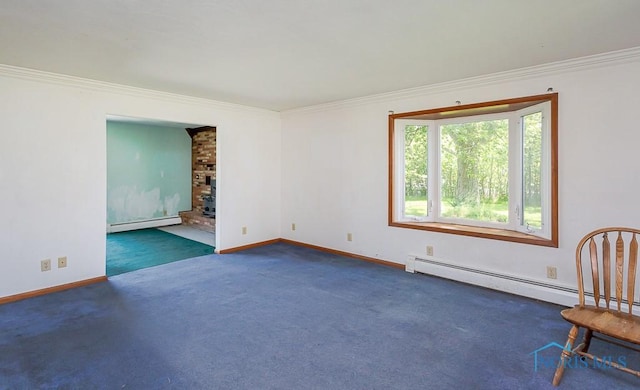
point(486, 170)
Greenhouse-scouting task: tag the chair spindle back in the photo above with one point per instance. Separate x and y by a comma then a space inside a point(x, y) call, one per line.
point(590, 241)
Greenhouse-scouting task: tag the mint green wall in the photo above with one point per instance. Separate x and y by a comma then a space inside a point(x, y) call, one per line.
point(148, 171)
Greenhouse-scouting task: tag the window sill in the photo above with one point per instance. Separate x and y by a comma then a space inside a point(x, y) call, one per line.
point(481, 232)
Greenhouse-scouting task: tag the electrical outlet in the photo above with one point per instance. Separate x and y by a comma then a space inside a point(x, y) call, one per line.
point(349, 237)
point(62, 262)
point(552, 272)
point(45, 265)
point(429, 250)
point(244, 230)
point(293, 226)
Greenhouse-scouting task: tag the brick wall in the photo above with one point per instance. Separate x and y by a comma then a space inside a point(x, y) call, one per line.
point(203, 160)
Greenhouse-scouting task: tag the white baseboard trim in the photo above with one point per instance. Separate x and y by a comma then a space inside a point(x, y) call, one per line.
point(530, 288)
point(151, 223)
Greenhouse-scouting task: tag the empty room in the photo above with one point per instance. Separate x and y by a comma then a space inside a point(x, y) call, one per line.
point(408, 195)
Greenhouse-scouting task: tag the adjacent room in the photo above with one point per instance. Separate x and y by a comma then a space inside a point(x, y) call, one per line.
point(158, 211)
point(364, 194)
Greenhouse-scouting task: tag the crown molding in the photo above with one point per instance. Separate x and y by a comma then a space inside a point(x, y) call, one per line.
point(577, 64)
point(106, 87)
point(559, 67)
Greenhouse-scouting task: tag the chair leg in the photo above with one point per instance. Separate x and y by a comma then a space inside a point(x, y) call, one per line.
point(566, 355)
point(587, 340)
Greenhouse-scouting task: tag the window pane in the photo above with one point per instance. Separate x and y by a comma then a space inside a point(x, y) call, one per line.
point(475, 170)
point(532, 170)
point(415, 171)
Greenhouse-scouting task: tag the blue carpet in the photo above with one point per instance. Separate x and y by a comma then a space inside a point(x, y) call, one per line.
point(285, 317)
point(138, 249)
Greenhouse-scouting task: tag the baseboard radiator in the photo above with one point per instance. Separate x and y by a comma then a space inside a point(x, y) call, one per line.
point(494, 280)
point(149, 223)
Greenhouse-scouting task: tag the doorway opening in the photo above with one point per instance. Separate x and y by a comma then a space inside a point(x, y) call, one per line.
point(161, 183)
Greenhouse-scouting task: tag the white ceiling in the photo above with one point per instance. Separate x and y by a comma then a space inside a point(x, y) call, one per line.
point(283, 54)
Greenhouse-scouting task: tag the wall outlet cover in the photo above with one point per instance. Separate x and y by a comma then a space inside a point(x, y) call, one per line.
point(45, 265)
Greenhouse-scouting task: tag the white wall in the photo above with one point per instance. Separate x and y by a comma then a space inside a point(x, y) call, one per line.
point(335, 156)
point(53, 171)
point(323, 168)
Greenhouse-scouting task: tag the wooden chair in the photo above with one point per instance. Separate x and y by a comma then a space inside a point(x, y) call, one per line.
point(614, 318)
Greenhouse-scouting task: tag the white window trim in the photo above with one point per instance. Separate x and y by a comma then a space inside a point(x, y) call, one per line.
point(545, 178)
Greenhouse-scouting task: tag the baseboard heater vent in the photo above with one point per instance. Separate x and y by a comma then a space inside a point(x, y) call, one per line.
point(502, 276)
point(536, 289)
point(149, 223)
point(548, 292)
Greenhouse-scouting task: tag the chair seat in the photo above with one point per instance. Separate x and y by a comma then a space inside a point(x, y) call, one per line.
point(612, 323)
